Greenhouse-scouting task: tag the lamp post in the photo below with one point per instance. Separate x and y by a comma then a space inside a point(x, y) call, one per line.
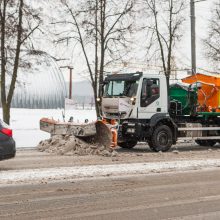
point(193, 36)
point(70, 79)
point(193, 33)
point(71, 83)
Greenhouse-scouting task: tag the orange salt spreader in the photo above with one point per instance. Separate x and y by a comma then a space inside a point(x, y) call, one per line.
point(208, 91)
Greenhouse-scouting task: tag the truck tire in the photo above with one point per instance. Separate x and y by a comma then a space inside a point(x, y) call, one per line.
point(127, 144)
point(206, 143)
point(161, 139)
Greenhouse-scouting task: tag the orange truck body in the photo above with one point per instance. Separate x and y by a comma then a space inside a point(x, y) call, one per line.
point(209, 94)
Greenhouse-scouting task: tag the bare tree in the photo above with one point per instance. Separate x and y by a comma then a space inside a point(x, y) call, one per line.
point(17, 23)
point(100, 27)
point(212, 42)
point(166, 18)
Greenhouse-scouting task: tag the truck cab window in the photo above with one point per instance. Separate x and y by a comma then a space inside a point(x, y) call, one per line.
point(150, 91)
point(121, 88)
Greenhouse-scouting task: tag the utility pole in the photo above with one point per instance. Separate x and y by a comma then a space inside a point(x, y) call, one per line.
point(71, 82)
point(193, 36)
point(70, 79)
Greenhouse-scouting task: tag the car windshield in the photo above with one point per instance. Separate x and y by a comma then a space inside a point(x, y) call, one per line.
point(121, 88)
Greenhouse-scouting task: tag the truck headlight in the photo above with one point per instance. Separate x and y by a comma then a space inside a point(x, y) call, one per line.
point(131, 130)
point(133, 100)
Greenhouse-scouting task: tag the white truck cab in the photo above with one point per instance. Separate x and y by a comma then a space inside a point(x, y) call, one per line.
point(137, 96)
point(139, 102)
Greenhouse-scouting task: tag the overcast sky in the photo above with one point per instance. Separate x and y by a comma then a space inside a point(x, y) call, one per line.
point(183, 52)
point(203, 14)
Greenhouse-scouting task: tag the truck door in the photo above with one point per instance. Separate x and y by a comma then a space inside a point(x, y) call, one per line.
point(150, 98)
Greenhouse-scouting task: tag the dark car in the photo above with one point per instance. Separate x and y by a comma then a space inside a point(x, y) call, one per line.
point(7, 143)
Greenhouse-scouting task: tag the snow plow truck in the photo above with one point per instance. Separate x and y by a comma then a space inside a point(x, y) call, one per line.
point(138, 107)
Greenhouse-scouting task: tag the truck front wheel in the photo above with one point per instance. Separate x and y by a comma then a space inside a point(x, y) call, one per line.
point(161, 139)
point(127, 144)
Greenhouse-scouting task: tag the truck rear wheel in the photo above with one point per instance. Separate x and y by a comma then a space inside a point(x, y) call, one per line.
point(127, 144)
point(206, 143)
point(161, 139)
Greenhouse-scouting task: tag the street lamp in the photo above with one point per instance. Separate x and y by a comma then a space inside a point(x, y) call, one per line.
point(193, 36)
point(193, 33)
point(70, 79)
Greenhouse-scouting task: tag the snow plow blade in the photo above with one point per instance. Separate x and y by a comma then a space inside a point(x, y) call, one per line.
point(98, 133)
point(102, 137)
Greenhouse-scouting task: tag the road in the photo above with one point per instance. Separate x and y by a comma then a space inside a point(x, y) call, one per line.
point(31, 158)
point(183, 195)
point(156, 192)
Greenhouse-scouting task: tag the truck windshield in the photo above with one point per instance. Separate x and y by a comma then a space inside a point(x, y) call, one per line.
point(121, 88)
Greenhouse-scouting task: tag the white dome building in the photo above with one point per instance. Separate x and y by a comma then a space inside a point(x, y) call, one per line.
point(41, 85)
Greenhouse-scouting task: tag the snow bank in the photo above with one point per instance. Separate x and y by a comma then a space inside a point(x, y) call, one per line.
point(25, 123)
point(71, 145)
point(94, 171)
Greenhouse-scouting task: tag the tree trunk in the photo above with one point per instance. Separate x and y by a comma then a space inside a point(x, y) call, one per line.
point(97, 107)
point(6, 101)
point(97, 104)
point(6, 113)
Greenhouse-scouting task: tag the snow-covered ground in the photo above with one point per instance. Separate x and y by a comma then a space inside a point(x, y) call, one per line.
point(95, 171)
point(25, 123)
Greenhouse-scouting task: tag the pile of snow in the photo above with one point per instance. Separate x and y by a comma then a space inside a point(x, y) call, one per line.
point(71, 145)
point(45, 175)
